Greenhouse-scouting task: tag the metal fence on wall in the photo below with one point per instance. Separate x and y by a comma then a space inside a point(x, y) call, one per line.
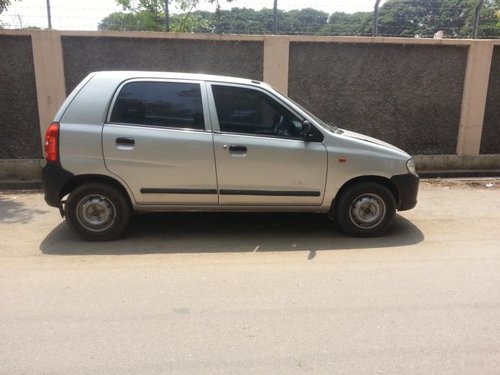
point(409, 18)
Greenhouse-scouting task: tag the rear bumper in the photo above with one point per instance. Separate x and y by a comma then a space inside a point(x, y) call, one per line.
point(407, 186)
point(54, 177)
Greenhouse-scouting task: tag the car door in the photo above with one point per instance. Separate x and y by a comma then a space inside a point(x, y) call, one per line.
point(261, 156)
point(158, 141)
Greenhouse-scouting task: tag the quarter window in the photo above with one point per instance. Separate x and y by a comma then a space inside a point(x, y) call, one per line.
point(248, 111)
point(166, 104)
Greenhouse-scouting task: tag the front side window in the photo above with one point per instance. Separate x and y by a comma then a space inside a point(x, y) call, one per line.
point(166, 104)
point(248, 111)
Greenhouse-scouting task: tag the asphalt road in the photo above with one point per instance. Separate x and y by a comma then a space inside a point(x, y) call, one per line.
point(255, 294)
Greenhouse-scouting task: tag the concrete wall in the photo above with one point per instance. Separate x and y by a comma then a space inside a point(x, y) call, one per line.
point(407, 95)
point(19, 126)
point(234, 58)
point(490, 140)
point(430, 97)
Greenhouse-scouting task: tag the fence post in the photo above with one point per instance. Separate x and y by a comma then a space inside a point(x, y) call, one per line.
point(477, 15)
point(375, 18)
point(477, 76)
point(276, 55)
point(49, 75)
point(275, 17)
point(167, 17)
point(49, 17)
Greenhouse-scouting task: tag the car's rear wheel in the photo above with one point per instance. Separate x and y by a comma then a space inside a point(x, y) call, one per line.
point(98, 212)
point(365, 210)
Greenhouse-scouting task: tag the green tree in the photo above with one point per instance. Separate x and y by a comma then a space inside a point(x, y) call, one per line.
point(304, 21)
point(244, 21)
point(489, 25)
point(4, 4)
point(138, 21)
point(404, 18)
point(149, 15)
point(412, 18)
point(250, 21)
point(341, 23)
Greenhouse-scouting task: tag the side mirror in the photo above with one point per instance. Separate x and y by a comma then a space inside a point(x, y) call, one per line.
point(306, 130)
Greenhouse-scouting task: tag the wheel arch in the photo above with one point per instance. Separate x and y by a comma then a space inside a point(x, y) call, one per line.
point(80, 180)
point(360, 179)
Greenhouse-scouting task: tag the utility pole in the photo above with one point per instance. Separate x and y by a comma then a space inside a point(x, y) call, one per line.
point(275, 17)
point(375, 18)
point(49, 19)
point(167, 17)
point(477, 15)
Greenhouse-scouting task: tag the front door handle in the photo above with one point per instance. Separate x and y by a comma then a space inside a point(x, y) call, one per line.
point(125, 141)
point(238, 148)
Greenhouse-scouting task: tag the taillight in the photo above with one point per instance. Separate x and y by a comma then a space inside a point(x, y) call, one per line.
point(52, 143)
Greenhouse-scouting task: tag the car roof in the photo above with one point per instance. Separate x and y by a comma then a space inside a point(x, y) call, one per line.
point(130, 74)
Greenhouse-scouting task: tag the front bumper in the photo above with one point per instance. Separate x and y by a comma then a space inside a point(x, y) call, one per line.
point(407, 186)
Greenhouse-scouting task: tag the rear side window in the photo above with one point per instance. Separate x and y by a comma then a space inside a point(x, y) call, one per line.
point(166, 104)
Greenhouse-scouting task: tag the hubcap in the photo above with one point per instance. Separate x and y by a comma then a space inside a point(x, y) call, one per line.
point(367, 211)
point(95, 213)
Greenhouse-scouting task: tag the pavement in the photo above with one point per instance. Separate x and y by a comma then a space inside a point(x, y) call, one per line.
point(255, 294)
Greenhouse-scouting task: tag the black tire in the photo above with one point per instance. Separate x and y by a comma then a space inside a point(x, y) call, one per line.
point(365, 209)
point(98, 212)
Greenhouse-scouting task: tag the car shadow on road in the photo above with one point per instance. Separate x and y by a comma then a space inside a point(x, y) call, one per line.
point(228, 232)
point(14, 212)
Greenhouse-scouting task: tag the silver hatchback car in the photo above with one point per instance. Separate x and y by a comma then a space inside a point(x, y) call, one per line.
point(127, 142)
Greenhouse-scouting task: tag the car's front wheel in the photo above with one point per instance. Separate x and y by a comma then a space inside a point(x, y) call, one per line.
point(365, 210)
point(98, 212)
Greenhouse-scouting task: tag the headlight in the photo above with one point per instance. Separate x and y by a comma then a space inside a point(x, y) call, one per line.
point(410, 165)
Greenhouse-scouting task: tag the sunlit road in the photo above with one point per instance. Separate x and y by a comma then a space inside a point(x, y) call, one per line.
point(254, 294)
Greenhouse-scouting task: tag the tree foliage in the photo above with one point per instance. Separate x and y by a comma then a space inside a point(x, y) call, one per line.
point(425, 17)
point(137, 21)
point(250, 21)
point(4, 4)
point(149, 15)
point(340, 23)
point(406, 18)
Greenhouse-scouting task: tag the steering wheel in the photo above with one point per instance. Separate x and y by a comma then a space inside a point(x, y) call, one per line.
point(279, 125)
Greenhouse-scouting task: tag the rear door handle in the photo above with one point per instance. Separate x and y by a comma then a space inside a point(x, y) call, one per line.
point(125, 141)
point(238, 148)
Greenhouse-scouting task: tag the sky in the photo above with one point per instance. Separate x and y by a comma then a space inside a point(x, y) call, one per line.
point(86, 14)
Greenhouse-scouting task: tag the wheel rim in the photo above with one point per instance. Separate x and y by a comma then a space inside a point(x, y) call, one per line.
point(367, 211)
point(95, 213)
